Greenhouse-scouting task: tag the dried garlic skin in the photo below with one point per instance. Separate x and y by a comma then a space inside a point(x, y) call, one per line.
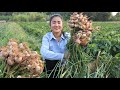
point(15, 53)
point(82, 27)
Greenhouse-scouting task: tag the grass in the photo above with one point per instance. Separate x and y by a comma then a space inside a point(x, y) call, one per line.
point(106, 40)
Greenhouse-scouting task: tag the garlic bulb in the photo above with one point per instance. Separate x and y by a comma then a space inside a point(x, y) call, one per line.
point(20, 54)
point(10, 62)
point(82, 27)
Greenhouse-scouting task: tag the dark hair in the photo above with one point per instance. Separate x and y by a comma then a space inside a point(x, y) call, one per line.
point(56, 15)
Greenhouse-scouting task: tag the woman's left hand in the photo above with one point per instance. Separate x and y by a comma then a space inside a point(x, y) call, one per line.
point(66, 55)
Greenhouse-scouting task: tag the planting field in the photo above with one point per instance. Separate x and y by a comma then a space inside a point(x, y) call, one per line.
point(103, 50)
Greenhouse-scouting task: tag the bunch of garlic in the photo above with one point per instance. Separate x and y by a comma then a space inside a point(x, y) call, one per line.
point(15, 53)
point(82, 27)
point(33, 63)
point(80, 21)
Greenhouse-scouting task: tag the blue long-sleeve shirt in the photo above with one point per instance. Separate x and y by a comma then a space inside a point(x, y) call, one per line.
point(51, 49)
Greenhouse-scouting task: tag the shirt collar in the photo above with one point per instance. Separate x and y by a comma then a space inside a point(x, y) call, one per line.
point(62, 36)
point(53, 37)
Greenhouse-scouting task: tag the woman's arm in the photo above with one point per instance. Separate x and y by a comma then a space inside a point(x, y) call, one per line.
point(46, 53)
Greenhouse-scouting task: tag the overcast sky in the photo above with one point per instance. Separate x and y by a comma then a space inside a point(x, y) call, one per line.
point(114, 13)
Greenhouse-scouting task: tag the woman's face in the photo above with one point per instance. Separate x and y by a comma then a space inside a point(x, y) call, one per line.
point(56, 25)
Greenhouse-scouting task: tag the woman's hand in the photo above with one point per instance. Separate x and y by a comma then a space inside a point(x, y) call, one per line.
point(77, 41)
point(66, 55)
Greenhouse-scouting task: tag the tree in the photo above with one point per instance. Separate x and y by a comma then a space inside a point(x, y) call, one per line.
point(99, 16)
point(91, 15)
point(117, 15)
point(65, 15)
point(6, 13)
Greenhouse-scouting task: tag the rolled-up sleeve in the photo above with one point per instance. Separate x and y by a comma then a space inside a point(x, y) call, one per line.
point(46, 53)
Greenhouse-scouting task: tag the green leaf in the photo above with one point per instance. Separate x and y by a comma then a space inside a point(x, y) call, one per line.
point(117, 55)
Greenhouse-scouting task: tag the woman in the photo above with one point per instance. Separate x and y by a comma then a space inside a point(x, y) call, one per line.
point(53, 49)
